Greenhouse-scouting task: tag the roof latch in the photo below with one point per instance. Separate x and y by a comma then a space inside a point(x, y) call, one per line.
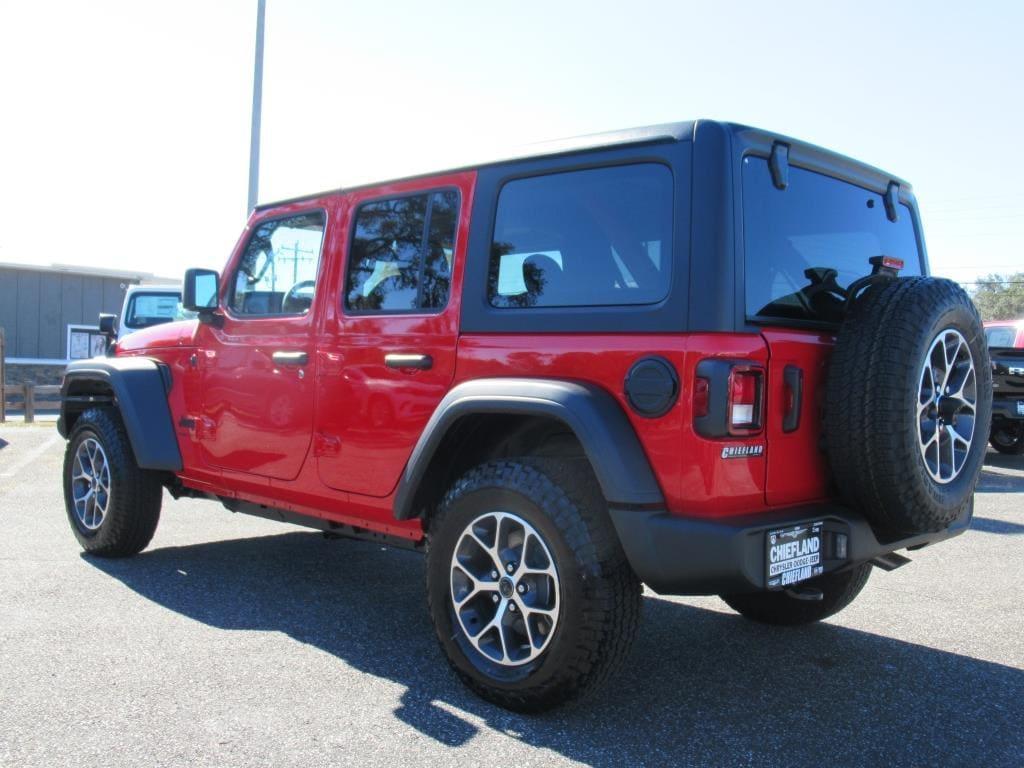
point(778, 164)
point(892, 201)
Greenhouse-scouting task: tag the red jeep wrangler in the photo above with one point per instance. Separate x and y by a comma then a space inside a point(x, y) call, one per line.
point(679, 356)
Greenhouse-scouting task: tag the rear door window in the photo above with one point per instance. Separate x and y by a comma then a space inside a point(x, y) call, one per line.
point(805, 244)
point(598, 237)
point(401, 255)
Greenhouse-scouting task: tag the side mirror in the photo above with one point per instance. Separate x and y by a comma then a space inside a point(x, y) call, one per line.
point(108, 329)
point(108, 324)
point(200, 290)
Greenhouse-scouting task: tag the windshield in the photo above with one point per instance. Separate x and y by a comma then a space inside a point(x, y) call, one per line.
point(152, 308)
point(805, 244)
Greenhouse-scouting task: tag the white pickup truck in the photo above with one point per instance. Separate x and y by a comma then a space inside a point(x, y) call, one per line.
point(149, 305)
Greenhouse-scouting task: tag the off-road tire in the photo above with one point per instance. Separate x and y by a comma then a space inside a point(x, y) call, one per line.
point(838, 591)
point(870, 419)
point(136, 494)
point(600, 596)
point(1003, 441)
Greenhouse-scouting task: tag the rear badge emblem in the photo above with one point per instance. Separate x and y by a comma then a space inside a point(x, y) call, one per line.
point(742, 451)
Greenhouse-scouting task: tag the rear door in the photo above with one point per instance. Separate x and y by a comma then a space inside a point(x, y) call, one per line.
point(797, 367)
point(388, 358)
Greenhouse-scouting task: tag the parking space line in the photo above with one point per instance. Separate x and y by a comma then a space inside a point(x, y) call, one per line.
point(31, 456)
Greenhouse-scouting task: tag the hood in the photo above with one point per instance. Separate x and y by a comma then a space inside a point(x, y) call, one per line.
point(177, 334)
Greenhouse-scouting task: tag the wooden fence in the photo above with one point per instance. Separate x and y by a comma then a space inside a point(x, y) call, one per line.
point(28, 398)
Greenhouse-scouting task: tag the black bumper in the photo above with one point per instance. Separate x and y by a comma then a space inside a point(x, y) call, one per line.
point(1006, 408)
point(676, 555)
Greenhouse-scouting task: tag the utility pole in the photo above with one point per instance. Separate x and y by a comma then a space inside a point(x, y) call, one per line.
point(257, 107)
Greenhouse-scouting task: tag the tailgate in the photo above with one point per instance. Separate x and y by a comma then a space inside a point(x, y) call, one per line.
point(1007, 371)
point(797, 366)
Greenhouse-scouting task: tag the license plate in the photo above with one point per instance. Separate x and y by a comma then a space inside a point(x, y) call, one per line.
point(1020, 407)
point(793, 554)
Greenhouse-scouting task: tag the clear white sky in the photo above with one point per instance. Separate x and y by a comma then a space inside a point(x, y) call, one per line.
point(124, 126)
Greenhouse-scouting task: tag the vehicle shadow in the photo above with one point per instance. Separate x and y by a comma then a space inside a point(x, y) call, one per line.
point(995, 479)
point(1004, 461)
point(700, 687)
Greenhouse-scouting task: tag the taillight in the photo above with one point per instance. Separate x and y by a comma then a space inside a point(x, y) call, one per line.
point(746, 397)
point(728, 398)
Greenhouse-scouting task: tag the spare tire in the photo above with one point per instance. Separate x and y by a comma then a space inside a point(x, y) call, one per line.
point(908, 404)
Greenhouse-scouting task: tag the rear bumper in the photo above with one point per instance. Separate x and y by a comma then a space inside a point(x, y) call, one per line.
point(1006, 408)
point(676, 555)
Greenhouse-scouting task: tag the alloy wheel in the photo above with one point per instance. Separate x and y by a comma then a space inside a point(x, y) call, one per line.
point(505, 588)
point(90, 484)
point(946, 406)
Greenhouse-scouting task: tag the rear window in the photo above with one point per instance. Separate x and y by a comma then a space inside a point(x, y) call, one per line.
point(805, 244)
point(599, 237)
point(147, 309)
point(1001, 335)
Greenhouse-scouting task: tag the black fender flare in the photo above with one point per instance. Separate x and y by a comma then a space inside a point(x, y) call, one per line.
point(140, 387)
point(593, 415)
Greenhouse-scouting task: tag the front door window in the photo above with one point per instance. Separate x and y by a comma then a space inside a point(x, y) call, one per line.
point(277, 272)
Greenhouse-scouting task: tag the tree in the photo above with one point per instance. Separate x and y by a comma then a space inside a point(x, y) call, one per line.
point(1000, 297)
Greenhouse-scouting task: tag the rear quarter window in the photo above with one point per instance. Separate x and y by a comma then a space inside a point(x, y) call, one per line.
point(596, 237)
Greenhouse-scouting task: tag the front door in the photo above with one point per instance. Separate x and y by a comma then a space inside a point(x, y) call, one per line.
point(391, 356)
point(258, 365)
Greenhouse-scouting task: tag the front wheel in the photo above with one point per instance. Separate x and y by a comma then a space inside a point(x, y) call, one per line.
point(113, 505)
point(1008, 438)
point(837, 591)
point(529, 590)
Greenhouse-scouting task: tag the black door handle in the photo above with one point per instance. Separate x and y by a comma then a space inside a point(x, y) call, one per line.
point(421, 362)
point(290, 358)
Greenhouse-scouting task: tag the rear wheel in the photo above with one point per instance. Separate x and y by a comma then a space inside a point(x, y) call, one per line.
point(529, 590)
point(838, 590)
point(1008, 438)
point(113, 505)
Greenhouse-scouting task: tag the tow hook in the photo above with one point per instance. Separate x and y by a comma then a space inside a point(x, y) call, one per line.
point(890, 561)
point(805, 593)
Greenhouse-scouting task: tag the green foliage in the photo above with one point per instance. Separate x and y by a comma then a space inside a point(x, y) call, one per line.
point(1000, 297)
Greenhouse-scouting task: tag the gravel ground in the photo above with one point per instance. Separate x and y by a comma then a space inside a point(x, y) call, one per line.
point(238, 641)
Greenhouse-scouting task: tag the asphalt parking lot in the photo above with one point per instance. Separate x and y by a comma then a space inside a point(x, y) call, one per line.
point(238, 641)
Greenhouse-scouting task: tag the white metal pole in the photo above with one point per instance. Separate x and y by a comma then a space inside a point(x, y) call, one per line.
point(257, 106)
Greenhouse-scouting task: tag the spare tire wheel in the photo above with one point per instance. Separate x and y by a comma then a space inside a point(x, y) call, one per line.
point(908, 404)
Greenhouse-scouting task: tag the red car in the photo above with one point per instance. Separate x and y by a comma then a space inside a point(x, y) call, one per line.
point(698, 356)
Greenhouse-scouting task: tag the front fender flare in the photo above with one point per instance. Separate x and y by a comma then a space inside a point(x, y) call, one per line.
point(139, 386)
point(593, 415)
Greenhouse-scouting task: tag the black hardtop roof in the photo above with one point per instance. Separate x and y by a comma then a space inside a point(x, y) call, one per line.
point(649, 134)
